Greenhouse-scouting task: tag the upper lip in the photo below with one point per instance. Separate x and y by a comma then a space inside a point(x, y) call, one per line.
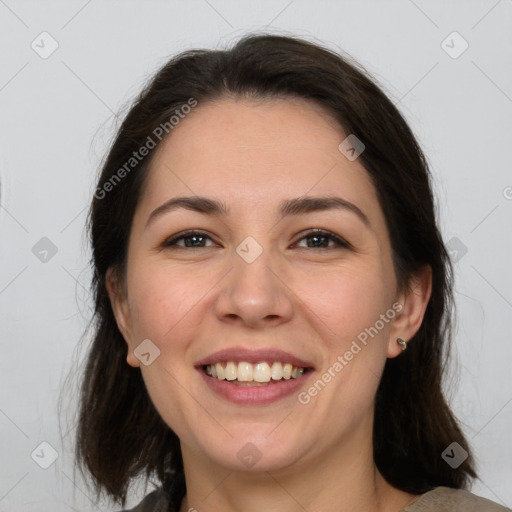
point(254, 356)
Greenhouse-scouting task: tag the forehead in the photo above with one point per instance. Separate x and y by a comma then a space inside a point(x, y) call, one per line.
point(257, 152)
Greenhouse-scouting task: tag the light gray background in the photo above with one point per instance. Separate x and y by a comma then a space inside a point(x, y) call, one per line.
point(57, 119)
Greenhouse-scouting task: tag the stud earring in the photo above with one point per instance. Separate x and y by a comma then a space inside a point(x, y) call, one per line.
point(402, 343)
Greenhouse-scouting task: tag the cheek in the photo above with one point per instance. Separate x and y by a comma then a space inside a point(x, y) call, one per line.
point(347, 299)
point(163, 301)
point(166, 308)
point(350, 304)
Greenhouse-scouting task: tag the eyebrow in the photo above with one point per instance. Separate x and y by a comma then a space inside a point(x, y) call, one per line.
point(297, 206)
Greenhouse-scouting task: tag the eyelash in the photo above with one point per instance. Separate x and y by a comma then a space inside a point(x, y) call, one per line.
point(319, 233)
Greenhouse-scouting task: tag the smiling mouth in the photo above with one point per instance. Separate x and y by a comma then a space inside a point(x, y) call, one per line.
point(261, 374)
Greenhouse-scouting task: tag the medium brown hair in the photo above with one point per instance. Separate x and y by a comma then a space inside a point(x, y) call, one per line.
point(120, 434)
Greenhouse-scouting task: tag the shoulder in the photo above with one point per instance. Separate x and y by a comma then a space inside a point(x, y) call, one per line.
point(155, 501)
point(441, 499)
point(445, 499)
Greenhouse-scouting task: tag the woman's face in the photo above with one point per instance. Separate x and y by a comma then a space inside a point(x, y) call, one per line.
point(259, 285)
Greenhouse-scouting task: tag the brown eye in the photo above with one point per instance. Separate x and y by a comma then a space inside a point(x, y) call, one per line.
point(321, 239)
point(191, 239)
point(316, 239)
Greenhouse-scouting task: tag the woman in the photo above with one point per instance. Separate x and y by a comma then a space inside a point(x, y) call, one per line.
point(272, 295)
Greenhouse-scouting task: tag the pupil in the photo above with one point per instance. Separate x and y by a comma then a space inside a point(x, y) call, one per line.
point(188, 240)
point(317, 238)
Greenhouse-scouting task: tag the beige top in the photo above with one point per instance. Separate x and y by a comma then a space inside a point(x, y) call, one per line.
point(441, 499)
point(445, 499)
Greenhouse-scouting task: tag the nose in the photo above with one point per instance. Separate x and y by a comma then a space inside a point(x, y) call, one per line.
point(254, 294)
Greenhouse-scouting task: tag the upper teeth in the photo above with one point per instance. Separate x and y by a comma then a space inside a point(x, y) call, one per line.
point(246, 372)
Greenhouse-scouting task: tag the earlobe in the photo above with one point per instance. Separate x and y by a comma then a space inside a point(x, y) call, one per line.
point(414, 303)
point(121, 311)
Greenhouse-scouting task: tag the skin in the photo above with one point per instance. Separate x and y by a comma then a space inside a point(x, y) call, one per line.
point(191, 302)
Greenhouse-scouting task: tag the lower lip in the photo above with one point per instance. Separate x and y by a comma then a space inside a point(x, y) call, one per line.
point(254, 395)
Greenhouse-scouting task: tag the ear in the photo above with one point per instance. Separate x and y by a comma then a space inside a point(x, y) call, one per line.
point(414, 301)
point(122, 313)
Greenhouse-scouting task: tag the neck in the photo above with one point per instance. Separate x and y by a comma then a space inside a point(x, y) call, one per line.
point(343, 480)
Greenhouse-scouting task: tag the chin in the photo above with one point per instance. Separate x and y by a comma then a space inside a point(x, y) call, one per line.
point(255, 452)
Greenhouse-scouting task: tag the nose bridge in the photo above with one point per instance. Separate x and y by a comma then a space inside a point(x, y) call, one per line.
point(253, 290)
